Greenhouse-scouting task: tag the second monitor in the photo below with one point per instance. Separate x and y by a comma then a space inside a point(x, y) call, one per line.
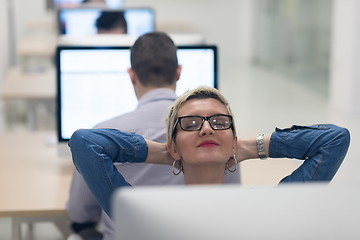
point(87, 21)
point(93, 84)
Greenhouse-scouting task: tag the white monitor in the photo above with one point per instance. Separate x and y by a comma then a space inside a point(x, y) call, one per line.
point(82, 21)
point(298, 212)
point(92, 80)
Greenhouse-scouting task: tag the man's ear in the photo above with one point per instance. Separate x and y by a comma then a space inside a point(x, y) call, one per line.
point(178, 72)
point(132, 76)
point(172, 149)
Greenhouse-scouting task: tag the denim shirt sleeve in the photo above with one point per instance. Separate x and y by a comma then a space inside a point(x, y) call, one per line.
point(95, 150)
point(322, 146)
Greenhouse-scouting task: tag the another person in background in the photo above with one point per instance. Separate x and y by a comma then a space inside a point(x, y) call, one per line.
point(111, 22)
point(154, 72)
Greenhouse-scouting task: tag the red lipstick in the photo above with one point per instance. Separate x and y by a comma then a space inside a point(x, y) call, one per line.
point(208, 144)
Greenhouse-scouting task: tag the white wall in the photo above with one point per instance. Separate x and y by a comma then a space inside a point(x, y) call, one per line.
point(27, 14)
point(4, 52)
point(345, 73)
point(3, 39)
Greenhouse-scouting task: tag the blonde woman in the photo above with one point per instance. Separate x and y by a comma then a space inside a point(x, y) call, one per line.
point(202, 144)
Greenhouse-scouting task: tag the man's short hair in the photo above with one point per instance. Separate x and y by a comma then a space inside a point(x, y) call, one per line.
point(109, 20)
point(154, 60)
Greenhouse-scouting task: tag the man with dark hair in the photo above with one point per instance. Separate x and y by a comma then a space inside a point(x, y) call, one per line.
point(155, 67)
point(154, 72)
point(111, 22)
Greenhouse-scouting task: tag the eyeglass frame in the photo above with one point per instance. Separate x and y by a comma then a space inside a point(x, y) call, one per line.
point(178, 121)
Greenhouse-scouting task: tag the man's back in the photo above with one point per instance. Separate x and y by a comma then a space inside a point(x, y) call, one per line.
point(148, 120)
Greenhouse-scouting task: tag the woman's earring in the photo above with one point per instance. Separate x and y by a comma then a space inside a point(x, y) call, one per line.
point(174, 168)
point(227, 167)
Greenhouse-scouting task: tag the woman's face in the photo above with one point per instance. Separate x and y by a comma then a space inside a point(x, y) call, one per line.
point(206, 145)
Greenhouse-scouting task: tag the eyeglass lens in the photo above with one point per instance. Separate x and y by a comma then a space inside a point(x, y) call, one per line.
point(194, 123)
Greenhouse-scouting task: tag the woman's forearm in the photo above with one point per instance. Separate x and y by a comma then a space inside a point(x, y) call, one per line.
point(322, 146)
point(95, 150)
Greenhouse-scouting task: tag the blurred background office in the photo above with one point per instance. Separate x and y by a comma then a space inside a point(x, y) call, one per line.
point(281, 62)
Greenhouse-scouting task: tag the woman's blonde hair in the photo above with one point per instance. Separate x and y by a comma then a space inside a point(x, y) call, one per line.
point(196, 93)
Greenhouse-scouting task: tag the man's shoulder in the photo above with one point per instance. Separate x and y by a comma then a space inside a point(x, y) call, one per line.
point(152, 128)
point(118, 122)
point(139, 120)
point(149, 115)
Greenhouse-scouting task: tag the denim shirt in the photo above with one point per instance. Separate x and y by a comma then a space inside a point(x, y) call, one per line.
point(323, 147)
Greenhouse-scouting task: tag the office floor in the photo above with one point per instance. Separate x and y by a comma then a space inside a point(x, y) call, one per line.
point(262, 101)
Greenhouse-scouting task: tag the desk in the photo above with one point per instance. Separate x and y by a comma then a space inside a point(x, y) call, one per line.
point(34, 180)
point(23, 85)
point(37, 46)
point(35, 90)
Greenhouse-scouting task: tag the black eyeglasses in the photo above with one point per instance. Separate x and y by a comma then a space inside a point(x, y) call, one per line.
point(195, 123)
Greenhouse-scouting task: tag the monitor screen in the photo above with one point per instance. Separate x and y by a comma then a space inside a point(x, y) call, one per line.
point(87, 21)
point(91, 80)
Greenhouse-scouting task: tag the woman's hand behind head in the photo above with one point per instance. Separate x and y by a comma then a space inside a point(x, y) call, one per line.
point(158, 153)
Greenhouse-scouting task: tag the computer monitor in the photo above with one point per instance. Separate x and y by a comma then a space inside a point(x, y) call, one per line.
point(231, 212)
point(82, 21)
point(93, 84)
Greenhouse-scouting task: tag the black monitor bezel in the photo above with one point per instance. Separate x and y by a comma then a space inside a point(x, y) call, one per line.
point(58, 74)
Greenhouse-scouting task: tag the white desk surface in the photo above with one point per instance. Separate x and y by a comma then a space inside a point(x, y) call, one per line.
point(34, 180)
point(24, 85)
point(37, 46)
